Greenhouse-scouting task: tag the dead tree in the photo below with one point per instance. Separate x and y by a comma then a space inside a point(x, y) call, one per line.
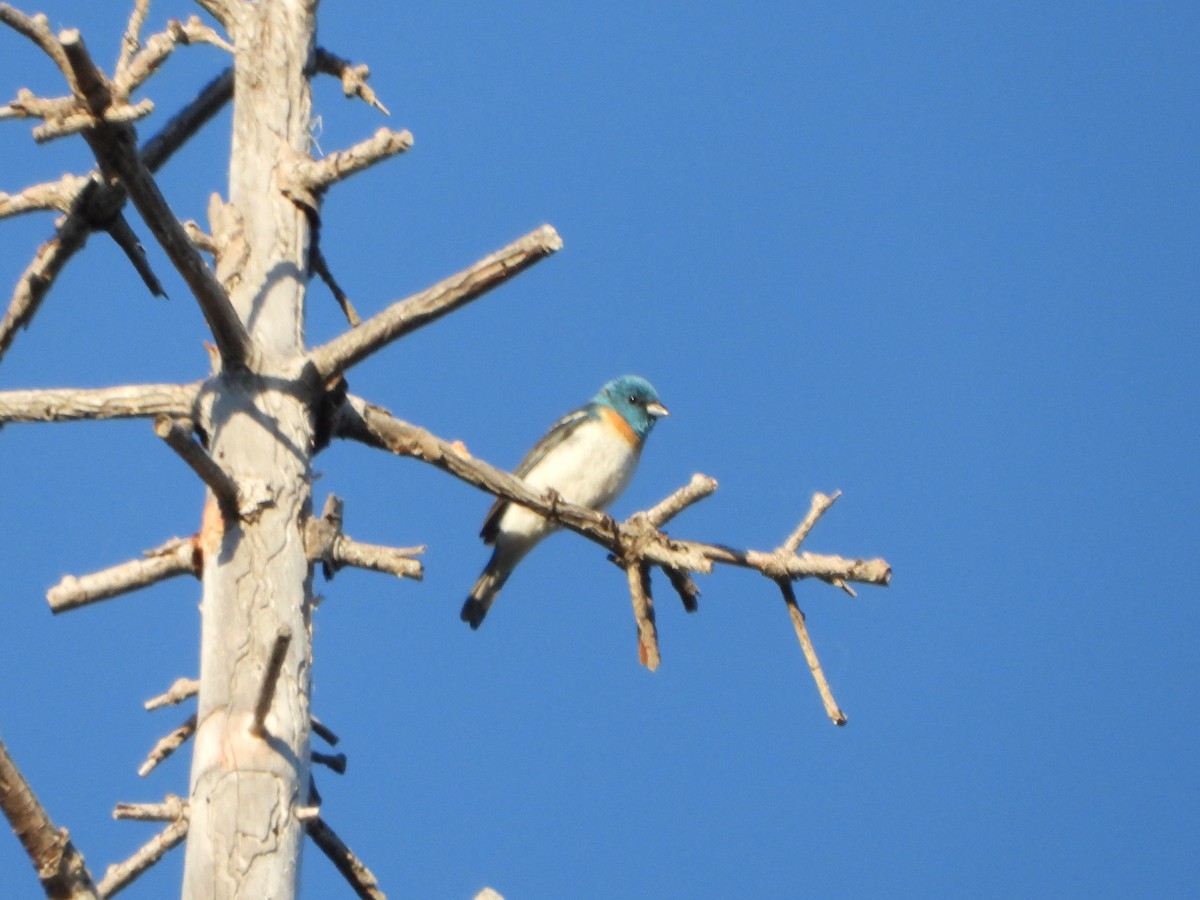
point(251, 429)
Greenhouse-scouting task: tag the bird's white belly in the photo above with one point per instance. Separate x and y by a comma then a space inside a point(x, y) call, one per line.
point(591, 467)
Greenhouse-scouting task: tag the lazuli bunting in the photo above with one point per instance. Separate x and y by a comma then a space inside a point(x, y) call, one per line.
point(588, 457)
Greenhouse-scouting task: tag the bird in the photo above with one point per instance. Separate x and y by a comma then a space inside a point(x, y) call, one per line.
point(587, 457)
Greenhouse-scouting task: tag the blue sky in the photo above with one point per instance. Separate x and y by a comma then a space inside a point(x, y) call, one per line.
point(939, 256)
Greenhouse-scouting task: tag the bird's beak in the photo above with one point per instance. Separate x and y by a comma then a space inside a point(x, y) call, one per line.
point(657, 410)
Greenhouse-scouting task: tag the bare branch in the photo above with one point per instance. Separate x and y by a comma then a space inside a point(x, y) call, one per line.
point(160, 46)
point(177, 558)
point(325, 542)
point(359, 877)
point(185, 123)
point(132, 401)
point(169, 810)
point(60, 867)
point(52, 195)
point(120, 875)
point(336, 762)
point(132, 41)
point(178, 435)
point(320, 268)
point(35, 281)
point(121, 232)
point(323, 731)
point(820, 505)
point(314, 176)
point(266, 693)
point(37, 30)
point(684, 586)
point(353, 78)
point(77, 122)
point(181, 689)
point(643, 613)
point(168, 745)
point(113, 146)
point(396, 561)
point(218, 9)
point(697, 489)
point(810, 654)
point(408, 315)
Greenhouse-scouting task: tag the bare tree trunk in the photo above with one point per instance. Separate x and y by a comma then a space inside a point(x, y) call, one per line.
point(248, 779)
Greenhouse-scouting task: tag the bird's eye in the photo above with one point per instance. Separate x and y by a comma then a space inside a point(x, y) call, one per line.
point(633, 399)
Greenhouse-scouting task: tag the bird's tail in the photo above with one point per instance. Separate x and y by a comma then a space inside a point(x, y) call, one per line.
point(483, 595)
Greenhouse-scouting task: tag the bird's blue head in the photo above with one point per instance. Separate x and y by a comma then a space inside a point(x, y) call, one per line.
point(635, 399)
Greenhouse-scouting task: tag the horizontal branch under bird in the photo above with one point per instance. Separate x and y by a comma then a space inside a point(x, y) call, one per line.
point(375, 426)
point(406, 316)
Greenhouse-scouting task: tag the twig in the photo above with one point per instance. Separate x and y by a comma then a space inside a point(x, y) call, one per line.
point(396, 561)
point(168, 745)
point(178, 435)
point(218, 9)
point(78, 122)
point(360, 878)
point(266, 693)
point(353, 78)
point(810, 654)
point(181, 689)
point(120, 875)
point(323, 731)
point(60, 867)
point(684, 586)
point(325, 542)
point(697, 489)
point(121, 232)
point(72, 592)
point(52, 195)
point(136, 401)
point(320, 268)
point(336, 762)
point(132, 40)
point(37, 30)
point(185, 123)
point(420, 309)
point(820, 505)
point(169, 810)
point(160, 46)
point(316, 175)
point(643, 613)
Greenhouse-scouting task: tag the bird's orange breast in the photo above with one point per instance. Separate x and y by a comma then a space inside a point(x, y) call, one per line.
point(617, 423)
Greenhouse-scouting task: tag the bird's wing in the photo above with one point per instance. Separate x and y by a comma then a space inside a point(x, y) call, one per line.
point(555, 436)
